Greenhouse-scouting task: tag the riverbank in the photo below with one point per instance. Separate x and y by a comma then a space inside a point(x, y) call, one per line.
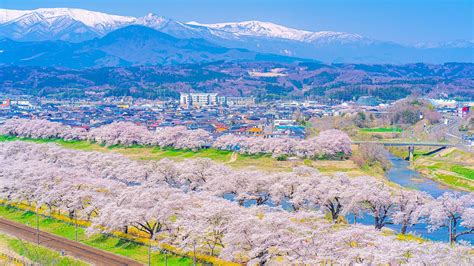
point(451, 167)
point(263, 162)
point(405, 176)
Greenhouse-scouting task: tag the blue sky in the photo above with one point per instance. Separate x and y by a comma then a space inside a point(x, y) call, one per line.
point(406, 21)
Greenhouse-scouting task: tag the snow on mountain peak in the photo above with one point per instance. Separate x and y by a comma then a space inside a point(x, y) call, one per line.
point(89, 18)
point(7, 15)
point(271, 30)
point(152, 20)
point(257, 28)
point(102, 23)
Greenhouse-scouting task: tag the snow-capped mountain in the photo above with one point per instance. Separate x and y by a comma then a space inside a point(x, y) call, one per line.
point(58, 24)
point(7, 15)
point(56, 20)
point(449, 44)
point(77, 25)
point(270, 30)
point(99, 21)
point(173, 27)
point(258, 28)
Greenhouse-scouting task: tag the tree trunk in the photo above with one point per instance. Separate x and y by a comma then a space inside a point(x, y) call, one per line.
point(404, 229)
point(452, 230)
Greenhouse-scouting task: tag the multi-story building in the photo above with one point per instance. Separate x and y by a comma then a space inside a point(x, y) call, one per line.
point(240, 101)
point(5, 104)
point(198, 99)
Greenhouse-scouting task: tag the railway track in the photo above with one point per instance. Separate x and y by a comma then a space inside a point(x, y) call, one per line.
point(72, 248)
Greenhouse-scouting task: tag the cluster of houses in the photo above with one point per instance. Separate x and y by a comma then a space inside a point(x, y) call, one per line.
point(209, 111)
point(218, 115)
point(459, 108)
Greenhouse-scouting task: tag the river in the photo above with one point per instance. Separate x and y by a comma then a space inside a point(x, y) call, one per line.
point(402, 175)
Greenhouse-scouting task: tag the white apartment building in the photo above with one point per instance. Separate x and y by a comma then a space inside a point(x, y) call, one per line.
point(198, 99)
point(240, 101)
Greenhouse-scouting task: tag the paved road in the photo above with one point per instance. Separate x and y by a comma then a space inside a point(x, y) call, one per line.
point(72, 248)
point(404, 143)
point(455, 136)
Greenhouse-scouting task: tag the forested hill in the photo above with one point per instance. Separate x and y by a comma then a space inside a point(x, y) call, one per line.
point(263, 79)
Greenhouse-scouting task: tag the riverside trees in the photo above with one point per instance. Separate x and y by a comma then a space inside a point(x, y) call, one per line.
point(448, 210)
point(182, 203)
point(331, 144)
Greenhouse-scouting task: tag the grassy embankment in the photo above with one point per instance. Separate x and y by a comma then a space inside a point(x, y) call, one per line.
point(137, 251)
point(377, 134)
point(452, 167)
point(262, 162)
point(382, 130)
point(112, 244)
point(33, 253)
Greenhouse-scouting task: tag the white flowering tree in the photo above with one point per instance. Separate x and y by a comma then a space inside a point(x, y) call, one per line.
point(448, 210)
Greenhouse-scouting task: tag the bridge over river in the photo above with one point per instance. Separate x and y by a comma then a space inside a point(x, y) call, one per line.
point(410, 144)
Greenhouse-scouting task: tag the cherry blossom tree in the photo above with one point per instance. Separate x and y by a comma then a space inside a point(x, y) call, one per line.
point(409, 206)
point(40, 128)
point(376, 198)
point(181, 203)
point(448, 210)
point(121, 133)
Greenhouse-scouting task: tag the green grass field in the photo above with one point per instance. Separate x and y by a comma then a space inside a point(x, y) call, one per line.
point(382, 130)
point(451, 167)
point(465, 172)
point(109, 243)
point(37, 254)
point(260, 161)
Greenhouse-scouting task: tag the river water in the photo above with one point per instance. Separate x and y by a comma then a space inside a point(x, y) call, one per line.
point(402, 175)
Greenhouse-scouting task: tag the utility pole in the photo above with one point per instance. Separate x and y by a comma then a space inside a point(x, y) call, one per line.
point(194, 254)
point(37, 226)
point(75, 219)
point(149, 252)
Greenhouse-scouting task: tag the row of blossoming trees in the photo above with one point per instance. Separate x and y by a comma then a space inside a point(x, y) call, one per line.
point(328, 144)
point(236, 214)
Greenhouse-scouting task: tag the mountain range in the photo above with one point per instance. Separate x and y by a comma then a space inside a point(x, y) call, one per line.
point(81, 34)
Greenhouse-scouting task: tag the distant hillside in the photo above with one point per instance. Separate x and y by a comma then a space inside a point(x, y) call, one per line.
point(131, 45)
point(78, 25)
point(266, 80)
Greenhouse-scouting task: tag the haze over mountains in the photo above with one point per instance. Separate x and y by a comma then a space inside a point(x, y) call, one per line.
point(52, 36)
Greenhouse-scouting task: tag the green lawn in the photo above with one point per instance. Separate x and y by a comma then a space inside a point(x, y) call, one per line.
point(465, 172)
point(38, 254)
point(109, 243)
point(142, 152)
point(454, 181)
point(259, 161)
point(381, 130)
point(455, 176)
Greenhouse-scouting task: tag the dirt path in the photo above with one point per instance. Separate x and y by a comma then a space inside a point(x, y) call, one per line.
point(72, 248)
point(233, 157)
